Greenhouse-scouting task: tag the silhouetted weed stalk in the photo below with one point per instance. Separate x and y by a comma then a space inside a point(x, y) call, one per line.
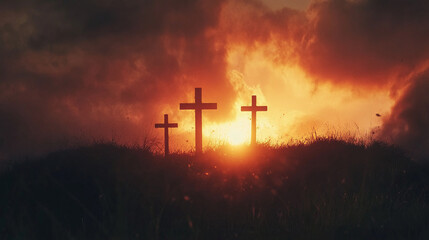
point(315, 189)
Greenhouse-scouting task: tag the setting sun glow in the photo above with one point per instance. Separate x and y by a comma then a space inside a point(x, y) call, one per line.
point(235, 132)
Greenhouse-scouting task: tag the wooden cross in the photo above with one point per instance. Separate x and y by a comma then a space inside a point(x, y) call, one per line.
point(198, 106)
point(166, 125)
point(253, 109)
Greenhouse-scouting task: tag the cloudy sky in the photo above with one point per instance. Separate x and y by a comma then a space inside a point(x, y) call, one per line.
point(72, 72)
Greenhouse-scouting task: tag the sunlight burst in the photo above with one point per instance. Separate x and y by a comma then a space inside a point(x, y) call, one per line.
point(235, 133)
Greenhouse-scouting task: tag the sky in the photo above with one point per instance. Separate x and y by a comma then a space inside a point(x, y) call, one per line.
point(75, 72)
point(294, 4)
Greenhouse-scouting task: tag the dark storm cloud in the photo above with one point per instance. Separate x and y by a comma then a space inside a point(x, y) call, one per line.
point(408, 125)
point(251, 23)
point(373, 43)
point(365, 42)
point(79, 69)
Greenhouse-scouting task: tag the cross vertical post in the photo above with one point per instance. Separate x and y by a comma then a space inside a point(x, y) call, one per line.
point(198, 106)
point(166, 125)
point(254, 108)
point(198, 121)
point(253, 136)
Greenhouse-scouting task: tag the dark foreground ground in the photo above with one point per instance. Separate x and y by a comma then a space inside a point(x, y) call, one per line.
point(325, 190)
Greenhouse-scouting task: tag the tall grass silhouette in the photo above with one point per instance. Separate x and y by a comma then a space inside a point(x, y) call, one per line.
point(324, 189)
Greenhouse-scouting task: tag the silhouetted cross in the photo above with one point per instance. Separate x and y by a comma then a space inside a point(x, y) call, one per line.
point(198, 106)
point(166, 125)
point(253, 109)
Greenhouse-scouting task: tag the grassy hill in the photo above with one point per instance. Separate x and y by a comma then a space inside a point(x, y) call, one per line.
point(326, 189)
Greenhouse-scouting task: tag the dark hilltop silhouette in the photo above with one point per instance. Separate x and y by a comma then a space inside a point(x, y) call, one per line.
point(327, 189)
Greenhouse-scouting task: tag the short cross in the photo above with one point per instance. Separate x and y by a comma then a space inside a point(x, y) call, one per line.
point(253, 109)
point(198, 106)
point(166, 125)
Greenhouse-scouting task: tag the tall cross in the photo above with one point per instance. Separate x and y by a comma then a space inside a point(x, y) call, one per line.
point(253, 109)
point(198, 106)
point(166, 125)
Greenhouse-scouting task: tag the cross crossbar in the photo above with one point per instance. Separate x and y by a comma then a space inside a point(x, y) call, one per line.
point(168, 125)
point(254, 108)
point(197, 106)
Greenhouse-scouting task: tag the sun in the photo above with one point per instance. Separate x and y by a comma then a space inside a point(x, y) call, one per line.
point(236, 135)
point(236, 132)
